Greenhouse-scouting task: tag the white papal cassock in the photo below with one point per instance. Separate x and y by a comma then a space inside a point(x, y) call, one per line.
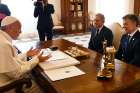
point(12, 65)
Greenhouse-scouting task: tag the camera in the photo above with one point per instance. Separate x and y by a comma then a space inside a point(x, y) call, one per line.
point(38, 3)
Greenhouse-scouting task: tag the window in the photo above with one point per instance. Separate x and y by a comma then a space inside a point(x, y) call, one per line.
point(23, 10)
point(114, 10)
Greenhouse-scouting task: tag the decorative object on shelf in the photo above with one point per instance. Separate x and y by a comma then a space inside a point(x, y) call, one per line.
point(80, 26)
point(80, 14)
point(76, 53)
point(107, 64)
point(73, 26)
point(79, 7)
point(74, 11)
point(71, 0)
point(72, 7)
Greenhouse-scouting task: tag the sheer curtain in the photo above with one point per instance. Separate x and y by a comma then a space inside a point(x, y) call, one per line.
point(114, 10)
point(23, 10)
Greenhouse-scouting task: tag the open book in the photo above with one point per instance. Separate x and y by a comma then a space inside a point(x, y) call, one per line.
point(60, 66)
point(58, 60)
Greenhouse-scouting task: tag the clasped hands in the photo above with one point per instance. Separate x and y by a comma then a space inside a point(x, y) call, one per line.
point(33, 52)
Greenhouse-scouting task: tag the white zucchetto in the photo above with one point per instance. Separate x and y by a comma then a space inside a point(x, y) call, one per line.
point(8, 20)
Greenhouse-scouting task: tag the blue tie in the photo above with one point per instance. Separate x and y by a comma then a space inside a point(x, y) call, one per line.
point(129, 38)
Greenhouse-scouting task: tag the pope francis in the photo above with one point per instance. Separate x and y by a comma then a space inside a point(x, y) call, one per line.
point(13, 65)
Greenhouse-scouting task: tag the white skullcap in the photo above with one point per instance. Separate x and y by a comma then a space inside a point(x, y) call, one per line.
point(8, 20)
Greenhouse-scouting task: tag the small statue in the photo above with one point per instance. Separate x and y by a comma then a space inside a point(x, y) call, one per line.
point(105, 71)
point(111, 57)
point(105, 52)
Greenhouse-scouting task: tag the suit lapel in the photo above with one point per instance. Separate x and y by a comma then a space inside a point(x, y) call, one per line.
point(101, 34)
point(134, 39)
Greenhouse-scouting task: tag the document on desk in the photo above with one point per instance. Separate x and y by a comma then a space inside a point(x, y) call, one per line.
point(63, 73)
point(55, 55)
point(58, 60)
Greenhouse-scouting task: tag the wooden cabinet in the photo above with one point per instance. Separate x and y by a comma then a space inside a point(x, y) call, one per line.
point(137, 7)
point(74, 15)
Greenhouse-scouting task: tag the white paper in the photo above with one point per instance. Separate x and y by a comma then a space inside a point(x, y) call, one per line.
point(58, 60)
point(55, 55)
point(63, 73)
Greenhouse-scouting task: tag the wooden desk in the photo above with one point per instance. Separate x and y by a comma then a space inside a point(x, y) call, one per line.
point(124, 74)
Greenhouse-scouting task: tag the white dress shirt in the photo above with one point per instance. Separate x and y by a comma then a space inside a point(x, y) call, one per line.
point(12, 66)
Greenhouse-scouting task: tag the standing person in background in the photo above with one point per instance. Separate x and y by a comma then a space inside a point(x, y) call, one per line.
point(4, 11)
point(43, 11)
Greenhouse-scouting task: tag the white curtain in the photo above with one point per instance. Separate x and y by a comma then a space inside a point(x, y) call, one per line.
point(23, 10)
point(114, 10)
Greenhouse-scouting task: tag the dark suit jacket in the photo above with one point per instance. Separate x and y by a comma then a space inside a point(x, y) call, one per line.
point(131, 52)
point(44, 16)
point(96, 43)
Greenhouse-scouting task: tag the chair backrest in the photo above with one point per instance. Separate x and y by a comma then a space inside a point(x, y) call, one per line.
point(117, 32)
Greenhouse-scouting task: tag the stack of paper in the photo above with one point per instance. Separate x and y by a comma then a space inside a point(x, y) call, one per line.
point(60, 66)
point(62, 73)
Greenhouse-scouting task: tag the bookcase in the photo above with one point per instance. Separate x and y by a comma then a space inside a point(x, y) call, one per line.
point(74, 15)
point(137, 7)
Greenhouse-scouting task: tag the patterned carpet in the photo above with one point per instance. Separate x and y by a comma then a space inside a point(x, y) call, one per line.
point(26, 43)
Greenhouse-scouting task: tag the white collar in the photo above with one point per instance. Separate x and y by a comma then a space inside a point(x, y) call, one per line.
point(132, 34)
point(101, 28)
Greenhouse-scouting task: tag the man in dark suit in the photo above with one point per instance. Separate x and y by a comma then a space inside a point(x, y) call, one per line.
point(99, 34)
point(129, 49)
point(43, 11)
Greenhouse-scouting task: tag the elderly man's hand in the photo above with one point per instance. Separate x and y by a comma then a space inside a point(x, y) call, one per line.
point(33, 52)
point(43, 58)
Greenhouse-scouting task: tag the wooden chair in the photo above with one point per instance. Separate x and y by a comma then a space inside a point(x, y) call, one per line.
point(58, 26)
point(117, 32)
point(17, 85)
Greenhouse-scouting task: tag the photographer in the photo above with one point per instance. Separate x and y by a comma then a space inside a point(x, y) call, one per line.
point(43, 11)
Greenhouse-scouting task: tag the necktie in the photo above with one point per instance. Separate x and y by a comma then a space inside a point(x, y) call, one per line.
point(128, 38)
point(97, 32)
point(127, 41)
